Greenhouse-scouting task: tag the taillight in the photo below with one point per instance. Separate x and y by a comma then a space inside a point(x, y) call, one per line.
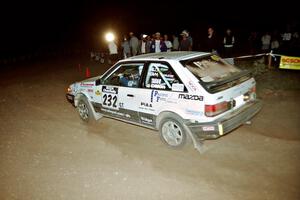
point(253, 89)
point(216, 109)
point(253, 92)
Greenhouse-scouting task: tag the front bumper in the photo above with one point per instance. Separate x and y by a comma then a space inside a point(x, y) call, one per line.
point(232, 120)
point(70, 98)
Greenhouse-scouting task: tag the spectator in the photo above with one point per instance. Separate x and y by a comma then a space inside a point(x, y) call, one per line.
point(189, 37)
point(274, 42)
point(295, 43)
point(158, 45)
point(275, 49)
point(185, 43)
point(266, 42)
point(228, 44)
point(211, 42)
point(142, 44)
point(175, 43)
point(253, 42)
point(148, 43)
point(168, 43)
point(113, 52)
point(126, 47)
point(286, 40)
point(134, 44)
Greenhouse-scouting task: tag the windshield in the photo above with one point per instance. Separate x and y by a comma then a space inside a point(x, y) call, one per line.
point(211, 68)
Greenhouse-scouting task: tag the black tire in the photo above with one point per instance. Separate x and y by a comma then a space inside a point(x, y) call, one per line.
point(84, 110)
point(172, 132)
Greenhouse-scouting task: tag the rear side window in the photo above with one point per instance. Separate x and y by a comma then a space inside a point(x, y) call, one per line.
point(211, 68)
point(162, 76)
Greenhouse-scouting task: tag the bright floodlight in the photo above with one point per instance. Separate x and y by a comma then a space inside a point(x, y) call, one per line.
point(109, 37)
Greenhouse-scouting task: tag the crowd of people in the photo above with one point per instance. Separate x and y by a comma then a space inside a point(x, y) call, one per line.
point(132, 46)
point(225, 45)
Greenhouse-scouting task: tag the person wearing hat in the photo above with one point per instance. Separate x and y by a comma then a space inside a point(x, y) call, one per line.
point(158, 45)
point(185, 43)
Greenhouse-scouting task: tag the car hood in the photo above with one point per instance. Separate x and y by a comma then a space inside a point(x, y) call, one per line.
point(91, 79)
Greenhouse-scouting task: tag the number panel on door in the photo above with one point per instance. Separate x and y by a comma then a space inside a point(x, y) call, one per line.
point(110, 97)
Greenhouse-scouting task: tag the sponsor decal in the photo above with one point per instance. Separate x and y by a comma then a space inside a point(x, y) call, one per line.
point(157, 96)
point(98, 93)
point(90, 90)
point(155, 81)
point(177, 87)
point(192, 86)
point(190, 97)
point(86, 84)
point(111, 90)
point(194, 112)
point(171, 76)
point(146, 120)
point(146, 104)
point(116, 113)
point(155, 74)
point(208, 128)
point(220, 97)
point(121, 105)
point(288, 62)
point(157, 86)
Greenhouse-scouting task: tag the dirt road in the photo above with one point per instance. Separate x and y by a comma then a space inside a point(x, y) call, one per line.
point(46, 152)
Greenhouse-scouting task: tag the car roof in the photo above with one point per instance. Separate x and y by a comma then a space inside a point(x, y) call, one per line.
point(174, 55)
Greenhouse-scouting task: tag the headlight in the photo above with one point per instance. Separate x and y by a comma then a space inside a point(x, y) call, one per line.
point(69, 90)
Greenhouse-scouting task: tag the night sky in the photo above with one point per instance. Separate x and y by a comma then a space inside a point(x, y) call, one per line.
point(30, 25)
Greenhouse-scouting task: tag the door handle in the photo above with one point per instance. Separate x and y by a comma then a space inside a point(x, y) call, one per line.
point(130, 95)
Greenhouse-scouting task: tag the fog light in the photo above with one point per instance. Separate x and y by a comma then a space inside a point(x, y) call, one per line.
point(246, 97)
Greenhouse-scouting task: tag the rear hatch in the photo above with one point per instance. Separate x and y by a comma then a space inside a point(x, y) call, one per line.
point(229, 86)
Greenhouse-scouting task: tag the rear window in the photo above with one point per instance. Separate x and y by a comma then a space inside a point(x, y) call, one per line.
point(211, 68)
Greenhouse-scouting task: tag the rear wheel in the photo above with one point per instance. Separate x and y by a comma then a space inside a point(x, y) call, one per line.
point(172, 132)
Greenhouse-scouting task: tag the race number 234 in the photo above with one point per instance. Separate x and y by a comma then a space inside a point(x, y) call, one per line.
point(110, 100)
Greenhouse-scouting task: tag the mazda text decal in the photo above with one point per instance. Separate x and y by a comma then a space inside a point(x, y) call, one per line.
point(190, 97)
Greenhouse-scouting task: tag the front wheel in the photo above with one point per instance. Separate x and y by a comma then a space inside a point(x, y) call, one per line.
point(172, 133)
point(85, 111)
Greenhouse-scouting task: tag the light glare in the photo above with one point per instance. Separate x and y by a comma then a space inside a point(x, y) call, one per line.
point(109, 37)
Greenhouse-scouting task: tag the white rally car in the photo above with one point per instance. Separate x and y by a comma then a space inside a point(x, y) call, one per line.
point(187, 96)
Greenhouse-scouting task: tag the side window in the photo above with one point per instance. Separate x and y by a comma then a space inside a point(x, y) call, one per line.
point(127, 75)
point(162, 76)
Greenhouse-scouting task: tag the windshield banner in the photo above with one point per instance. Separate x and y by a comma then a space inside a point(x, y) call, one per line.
point(287, 62)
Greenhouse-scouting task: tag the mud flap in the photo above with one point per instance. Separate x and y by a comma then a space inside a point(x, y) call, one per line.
point(198, 144)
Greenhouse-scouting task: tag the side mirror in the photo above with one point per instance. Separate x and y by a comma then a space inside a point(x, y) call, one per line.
point(98, 81)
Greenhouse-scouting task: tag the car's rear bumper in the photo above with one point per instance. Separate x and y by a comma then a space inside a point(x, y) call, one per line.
point(70, 98)
point(232, 120)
